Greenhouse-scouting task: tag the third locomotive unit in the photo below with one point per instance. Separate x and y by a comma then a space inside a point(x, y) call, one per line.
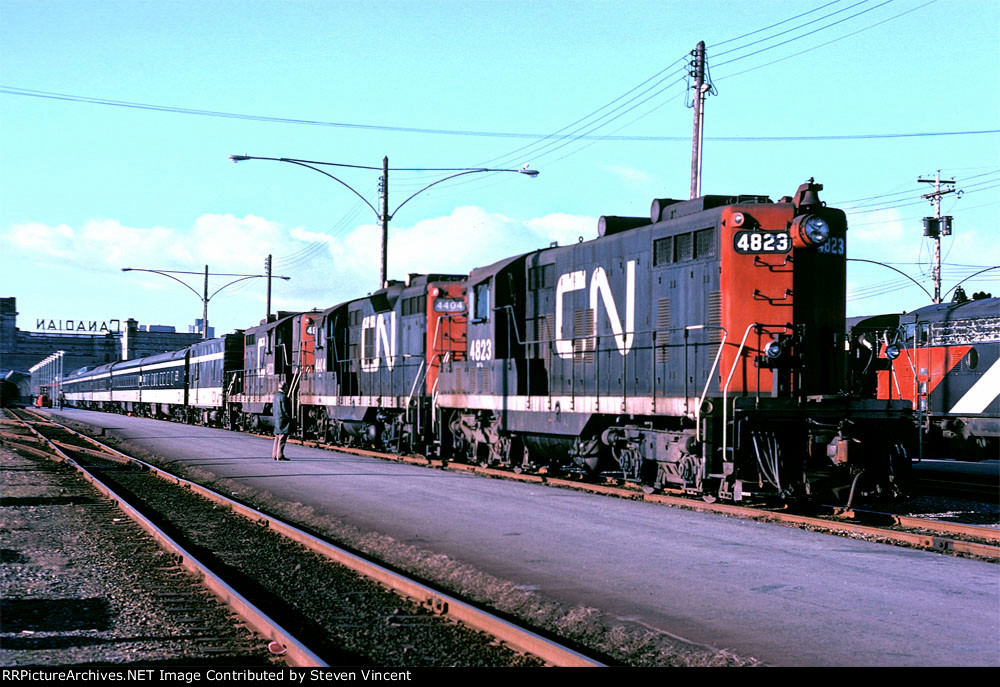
point(701, 349)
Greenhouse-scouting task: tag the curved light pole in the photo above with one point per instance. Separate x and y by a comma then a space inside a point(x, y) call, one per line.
point(876, 262)
point(204, 297)
point(384, 216)
point(919, 285)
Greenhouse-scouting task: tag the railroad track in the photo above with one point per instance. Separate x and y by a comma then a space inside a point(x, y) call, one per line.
point(288, 584)
point(890, 528)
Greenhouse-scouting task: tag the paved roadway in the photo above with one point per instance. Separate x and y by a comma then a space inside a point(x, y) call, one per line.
point(783, 595)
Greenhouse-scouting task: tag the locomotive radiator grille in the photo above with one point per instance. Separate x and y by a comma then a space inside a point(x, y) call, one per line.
point(662, 331)
point(715, 316)
point(584, 342)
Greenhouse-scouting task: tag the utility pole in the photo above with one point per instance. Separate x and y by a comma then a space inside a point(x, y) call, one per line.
point(936, 226)
point(697, 135)
point(267, 271)
point(204, 308)
point(383, 191)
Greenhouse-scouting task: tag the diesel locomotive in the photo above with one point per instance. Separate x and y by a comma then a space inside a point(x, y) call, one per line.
point(700, 349)
point(945, 359)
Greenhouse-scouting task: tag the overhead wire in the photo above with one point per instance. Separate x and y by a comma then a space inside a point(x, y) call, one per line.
point(783, 21)
point(822, 45)
point(794, 28)
point(804, 35)
point(975, 188)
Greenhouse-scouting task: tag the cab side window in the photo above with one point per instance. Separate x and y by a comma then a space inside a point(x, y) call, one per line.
point(481, 302)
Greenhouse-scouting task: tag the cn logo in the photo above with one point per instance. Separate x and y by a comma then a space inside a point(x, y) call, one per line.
point(385, 340)
point(600, 293)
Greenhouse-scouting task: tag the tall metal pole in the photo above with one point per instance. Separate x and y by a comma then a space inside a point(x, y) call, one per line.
point(267, 271)
point(699, 118)
point(384, 190)
point(204, 308)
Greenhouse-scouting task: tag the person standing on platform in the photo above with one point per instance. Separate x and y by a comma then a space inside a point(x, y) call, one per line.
point(282, 421)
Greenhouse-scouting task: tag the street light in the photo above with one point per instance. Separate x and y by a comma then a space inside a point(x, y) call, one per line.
point(385, 216)
point(205, 298)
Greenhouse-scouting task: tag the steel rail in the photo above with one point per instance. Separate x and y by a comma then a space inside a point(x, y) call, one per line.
point(932, 542)
point(516, 637)
point(295, 652)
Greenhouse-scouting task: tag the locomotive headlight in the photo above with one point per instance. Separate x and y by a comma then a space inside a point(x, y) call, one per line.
point(815, 230)
point(774, 350)
point(812, 230)
point(892, 351)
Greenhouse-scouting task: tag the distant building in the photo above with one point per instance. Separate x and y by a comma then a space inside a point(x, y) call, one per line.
point(86, 344)
point(196, 328)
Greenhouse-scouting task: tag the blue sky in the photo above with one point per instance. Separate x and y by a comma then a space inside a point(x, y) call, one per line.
point(88, 188)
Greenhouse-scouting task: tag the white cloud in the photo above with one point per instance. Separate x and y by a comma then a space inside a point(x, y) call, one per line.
point(469, 237)
point(224, 242)
point(35, 237)
point(239, 243)
point(324, 269)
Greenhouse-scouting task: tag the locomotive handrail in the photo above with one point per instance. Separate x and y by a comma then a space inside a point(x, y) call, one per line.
point(708, 382)
point(413, 388)
point(293, 397)
point(725, 390)
point(434, 392)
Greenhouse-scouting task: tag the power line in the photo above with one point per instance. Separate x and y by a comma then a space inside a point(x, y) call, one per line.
point(9, 90)
point(783, 21)
point(821, 45)
point(795, 28)
point(906, 219)
point(860, 202)
point(993, 184)
point(491, 161)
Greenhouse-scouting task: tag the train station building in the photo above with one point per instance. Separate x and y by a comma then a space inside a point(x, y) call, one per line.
point(84, 343)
